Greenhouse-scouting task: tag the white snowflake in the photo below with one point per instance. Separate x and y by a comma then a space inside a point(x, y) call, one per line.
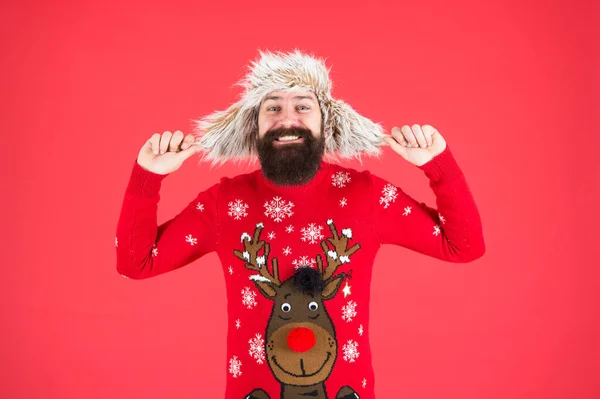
point(364, 382)
point(349, 311)
point(257, 348)
point(238, 324)
point(340, 179)
point(436, 230)
point(271, 235)
point(312, 233)
point(237, 209)
point(278, 209)
point(351, 351)
point(230, 270)
point(287, 251)
point(389, 192)
point(248, 298)
point(343, 202)
point(154, 251)
point(289, 229)
point(304, 261)
point(235, 367)
point(360, 330)
point(200, 207)
point(442, 219)
point(407, 211)
point(191, 240)
point(116, 242)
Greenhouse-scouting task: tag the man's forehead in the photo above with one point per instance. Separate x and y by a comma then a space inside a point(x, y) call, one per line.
point(293, 95)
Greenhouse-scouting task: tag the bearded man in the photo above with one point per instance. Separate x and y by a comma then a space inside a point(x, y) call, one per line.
point(297, 237)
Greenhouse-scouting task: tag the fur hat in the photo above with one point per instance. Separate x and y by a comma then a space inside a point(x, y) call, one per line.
point(232, 134)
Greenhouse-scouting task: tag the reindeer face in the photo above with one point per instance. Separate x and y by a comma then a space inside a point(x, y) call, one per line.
point(301, 345)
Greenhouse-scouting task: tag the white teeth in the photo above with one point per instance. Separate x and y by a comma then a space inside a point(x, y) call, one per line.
point(288, 138)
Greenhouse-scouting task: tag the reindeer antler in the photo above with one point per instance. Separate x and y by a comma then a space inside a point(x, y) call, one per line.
point(258, 263)
point(340, 254)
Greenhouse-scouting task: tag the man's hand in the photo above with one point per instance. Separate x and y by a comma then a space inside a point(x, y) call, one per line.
point(417, 144)
point(164, 154)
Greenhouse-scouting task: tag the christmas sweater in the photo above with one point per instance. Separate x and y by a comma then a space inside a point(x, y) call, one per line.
point(297, 263)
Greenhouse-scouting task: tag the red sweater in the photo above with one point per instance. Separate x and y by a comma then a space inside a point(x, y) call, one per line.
point(298, 336)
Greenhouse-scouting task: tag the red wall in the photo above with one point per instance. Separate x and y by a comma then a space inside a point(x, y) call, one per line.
point(509, 85)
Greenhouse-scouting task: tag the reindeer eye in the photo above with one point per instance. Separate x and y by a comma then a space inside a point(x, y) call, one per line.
point(313, 306)
point(286, 307)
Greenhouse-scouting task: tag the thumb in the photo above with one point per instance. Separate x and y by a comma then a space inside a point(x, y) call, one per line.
point(188, 152)
point(394, 145)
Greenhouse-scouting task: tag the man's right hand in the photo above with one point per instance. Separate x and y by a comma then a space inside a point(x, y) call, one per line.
point(164, 154)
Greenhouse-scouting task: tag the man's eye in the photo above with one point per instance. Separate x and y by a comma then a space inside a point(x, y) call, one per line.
point(271, 108)
point(304, 107)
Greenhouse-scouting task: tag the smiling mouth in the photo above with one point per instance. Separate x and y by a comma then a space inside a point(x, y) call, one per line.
point(302, 367)
point(286, 140)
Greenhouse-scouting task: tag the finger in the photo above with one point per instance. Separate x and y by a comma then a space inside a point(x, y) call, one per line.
point(409, 136)
point(397, 134)
point(188, 152)
point(187, 141)
point(394, 145)
point(416, 129)
point(175, 141)
point(428, 131)
point(153, 142)
point(164, 141)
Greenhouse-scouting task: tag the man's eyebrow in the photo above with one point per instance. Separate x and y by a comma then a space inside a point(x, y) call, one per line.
point(294, 98)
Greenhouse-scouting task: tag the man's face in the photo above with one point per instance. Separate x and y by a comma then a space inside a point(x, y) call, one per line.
point(290, 137)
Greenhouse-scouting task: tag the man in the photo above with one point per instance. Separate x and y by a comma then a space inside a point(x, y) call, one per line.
point(297, 237)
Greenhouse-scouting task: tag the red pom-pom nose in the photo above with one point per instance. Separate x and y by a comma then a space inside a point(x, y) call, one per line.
point(301, 339)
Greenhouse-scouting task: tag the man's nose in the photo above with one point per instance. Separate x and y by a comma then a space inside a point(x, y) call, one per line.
point(288, 118)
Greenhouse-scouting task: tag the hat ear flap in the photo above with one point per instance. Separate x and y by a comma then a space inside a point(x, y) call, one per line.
point(229, 134)
point(348, 133)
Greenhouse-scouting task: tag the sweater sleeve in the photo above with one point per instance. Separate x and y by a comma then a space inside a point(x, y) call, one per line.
point(451, 231)
point(144, 248)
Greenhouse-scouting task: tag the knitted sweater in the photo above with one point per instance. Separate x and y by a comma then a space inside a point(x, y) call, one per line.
point(297, 262)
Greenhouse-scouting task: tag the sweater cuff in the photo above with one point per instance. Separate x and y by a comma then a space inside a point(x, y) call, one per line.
point(143, 183)
point(442, 166)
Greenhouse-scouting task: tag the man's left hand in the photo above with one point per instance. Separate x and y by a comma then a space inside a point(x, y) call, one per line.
point(417, 144)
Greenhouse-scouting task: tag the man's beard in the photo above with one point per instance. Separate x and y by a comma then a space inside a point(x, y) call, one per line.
point(290, 164)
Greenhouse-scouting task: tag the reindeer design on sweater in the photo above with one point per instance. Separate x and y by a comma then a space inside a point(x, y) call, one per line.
point(301, 345)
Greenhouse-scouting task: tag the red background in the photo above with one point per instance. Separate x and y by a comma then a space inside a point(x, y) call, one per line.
point(510, 85)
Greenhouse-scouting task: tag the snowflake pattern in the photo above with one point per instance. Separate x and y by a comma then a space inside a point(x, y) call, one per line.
point(289, 229)
point(278, 209)
point(237, 209)
point(235, 367)
point(407, 211)
point(200, 207)
point(349, 311)
point(154, 251)
point(312, 233)
point(340, 179)
point(389, 194)
point(436, 230)
point(238, 324)
point(287, 251)
point(257, 348)
point(351, 351)
point(248, 298)
point(442, 219)
point(343, 202)
point(271, 235)
point(364, 383)
point(304, 261)
point(191, 240)
point(230, 269)
point(360, 330)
